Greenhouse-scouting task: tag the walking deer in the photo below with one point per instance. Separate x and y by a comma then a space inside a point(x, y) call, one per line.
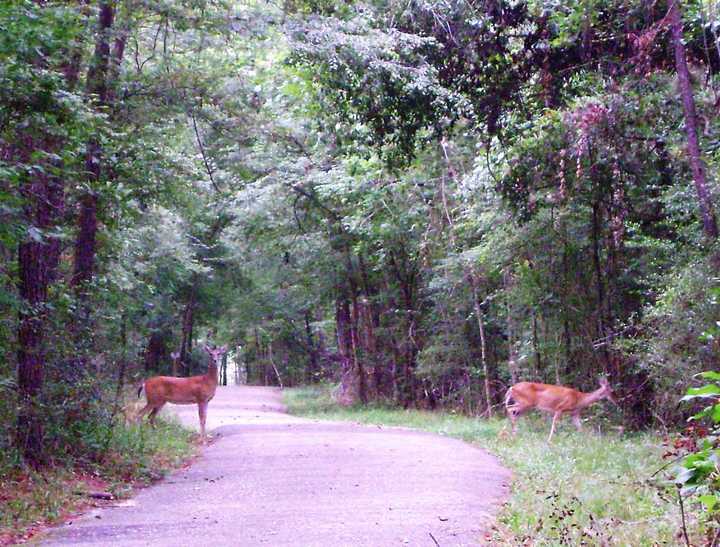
point(556, 399)
point(183, 391)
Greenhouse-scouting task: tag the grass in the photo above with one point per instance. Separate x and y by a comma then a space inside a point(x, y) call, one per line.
point(584, 488)
point(135, 456)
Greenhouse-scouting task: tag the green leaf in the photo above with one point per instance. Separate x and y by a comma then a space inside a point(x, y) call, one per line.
point(710, 390)
point(710, 375)
point(709, 501)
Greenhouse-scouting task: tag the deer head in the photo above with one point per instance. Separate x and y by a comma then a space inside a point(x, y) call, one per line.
point(216, 353)
point(607, 390)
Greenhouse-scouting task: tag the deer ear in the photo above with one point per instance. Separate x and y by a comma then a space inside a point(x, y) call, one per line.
point(224, 348)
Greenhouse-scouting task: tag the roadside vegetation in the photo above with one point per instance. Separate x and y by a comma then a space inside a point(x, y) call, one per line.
point(599, 486)
point(127, 456)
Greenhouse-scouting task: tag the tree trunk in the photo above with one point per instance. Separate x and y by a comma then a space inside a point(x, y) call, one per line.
point(357, 360)
point(406, 275)
point(187, 326)
point(483, 348)
point(85, 244)
point(188, 321)
point(536, 345)
point(371, 324)
point(156, 352)
point(271, 360)
point(312, 366)
point(97, 86)
point(354, 383)
point(103, 70)
point(567, 346)
point(602, 320)
point(33, 291)
point(258, 355)
point(38, 257)
point(686, 92)
point(86, 240)
point(567, 282)
point(223, 370)
point(509, 281)
point(348, 380)
point(547, 78)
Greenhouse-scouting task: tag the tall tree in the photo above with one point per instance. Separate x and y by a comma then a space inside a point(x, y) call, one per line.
point(707, 214)
point(38, 133)
point(97, 89)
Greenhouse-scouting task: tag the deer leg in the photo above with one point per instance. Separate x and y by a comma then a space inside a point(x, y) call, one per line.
point(514, 412)
point(552, 427)
point(510, 417)
point(511, 412)
point(576, 421)
point(202, 412)
point(153, 413)
point(144, 410)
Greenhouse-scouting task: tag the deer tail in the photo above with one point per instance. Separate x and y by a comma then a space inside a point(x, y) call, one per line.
point(140, 389)
point(508, 396)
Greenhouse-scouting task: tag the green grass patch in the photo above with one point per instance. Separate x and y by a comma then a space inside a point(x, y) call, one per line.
point(126, 456)
point(584, 487)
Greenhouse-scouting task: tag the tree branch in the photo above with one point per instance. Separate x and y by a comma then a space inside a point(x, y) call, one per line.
point(202, 152)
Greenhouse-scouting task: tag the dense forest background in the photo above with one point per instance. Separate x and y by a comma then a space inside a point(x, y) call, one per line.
point(423, 201)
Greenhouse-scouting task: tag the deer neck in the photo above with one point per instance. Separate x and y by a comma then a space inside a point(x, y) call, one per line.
point(212, 373)
point(589, 398)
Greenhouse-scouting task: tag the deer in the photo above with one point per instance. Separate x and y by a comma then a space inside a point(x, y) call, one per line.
point(559, 400)
point(182, 391)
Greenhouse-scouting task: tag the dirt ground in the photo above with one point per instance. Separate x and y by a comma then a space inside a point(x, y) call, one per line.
point(272, 479)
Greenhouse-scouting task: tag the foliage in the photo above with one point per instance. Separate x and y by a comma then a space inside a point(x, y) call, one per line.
point(698, 469)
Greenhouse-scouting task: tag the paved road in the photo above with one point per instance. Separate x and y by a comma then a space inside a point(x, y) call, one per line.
point(271, 479)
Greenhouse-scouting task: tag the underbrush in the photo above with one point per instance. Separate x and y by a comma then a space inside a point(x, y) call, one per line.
point(123, 456)
point(583, 488)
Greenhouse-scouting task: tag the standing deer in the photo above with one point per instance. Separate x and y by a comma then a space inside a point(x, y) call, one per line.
point(183, 391)
point(555, 399)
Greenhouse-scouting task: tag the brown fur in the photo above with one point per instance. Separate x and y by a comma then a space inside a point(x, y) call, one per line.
point(556, 399)
point(197, 390)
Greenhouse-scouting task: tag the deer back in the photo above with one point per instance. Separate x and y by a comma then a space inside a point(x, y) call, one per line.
point(545, 396)
point(169, 389)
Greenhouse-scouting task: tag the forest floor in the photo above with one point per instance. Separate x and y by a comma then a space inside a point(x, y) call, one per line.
point(592, 488)
point(269, 478)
